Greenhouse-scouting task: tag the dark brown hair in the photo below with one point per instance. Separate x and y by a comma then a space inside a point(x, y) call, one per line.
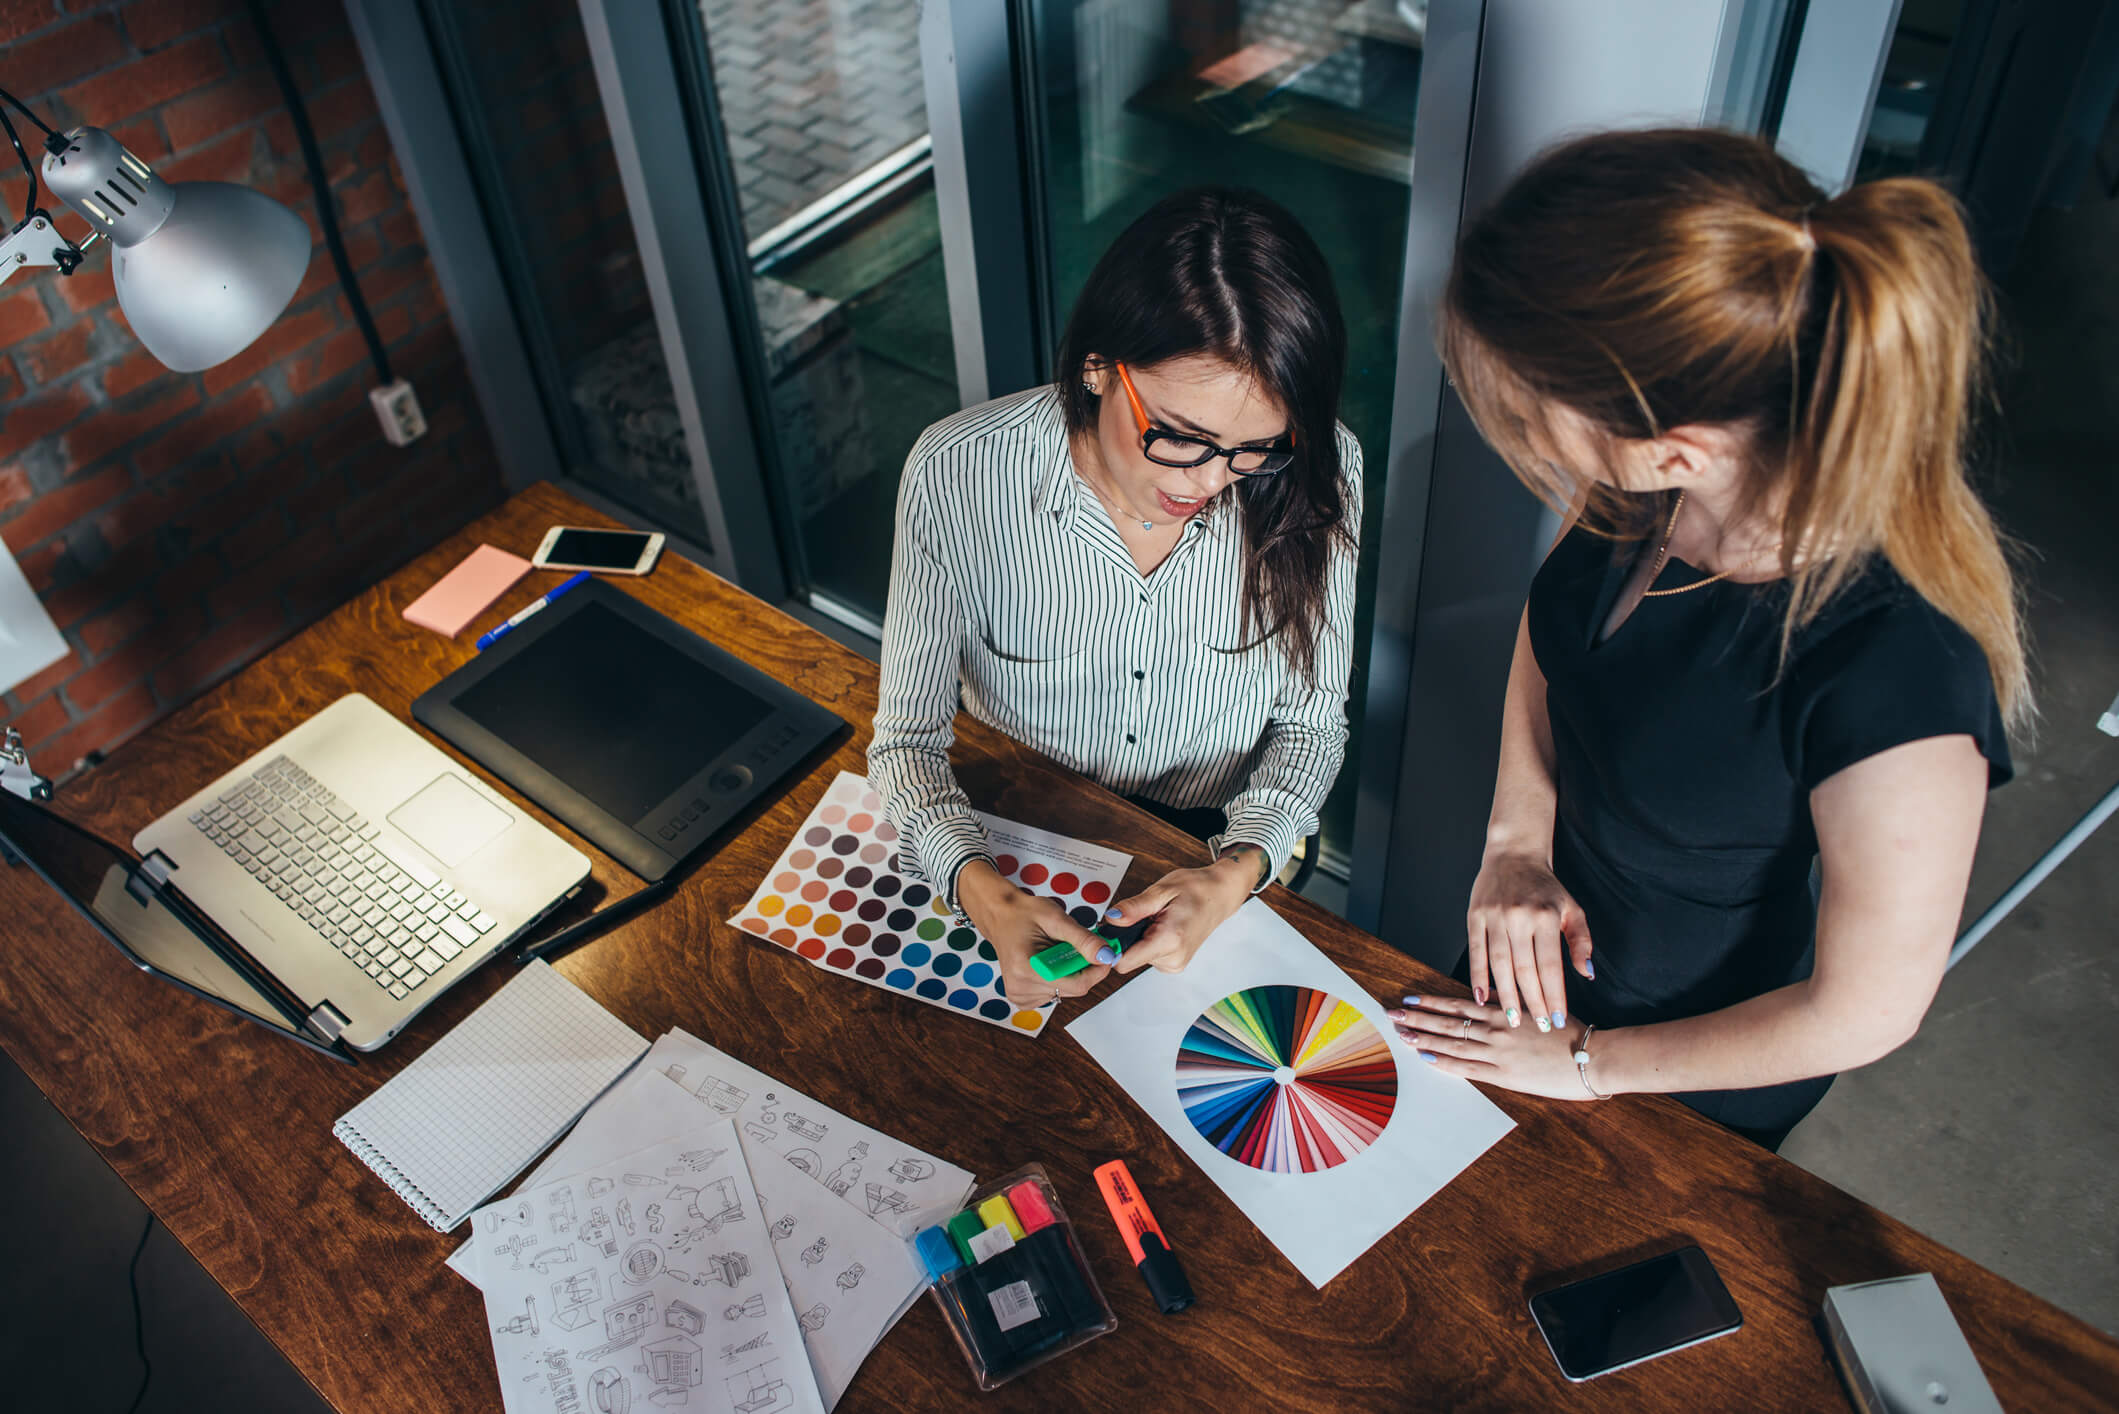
point(1227, 273)
point(1655, 279)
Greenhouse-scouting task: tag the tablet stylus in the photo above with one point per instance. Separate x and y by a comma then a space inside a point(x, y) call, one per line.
point(597, 922)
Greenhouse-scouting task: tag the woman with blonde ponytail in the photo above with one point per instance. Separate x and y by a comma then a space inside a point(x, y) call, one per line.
point(1778, 631)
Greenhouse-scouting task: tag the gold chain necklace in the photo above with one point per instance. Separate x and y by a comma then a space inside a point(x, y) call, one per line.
point(1662, 554)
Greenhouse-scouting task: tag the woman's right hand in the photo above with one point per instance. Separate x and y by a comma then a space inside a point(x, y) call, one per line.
point(1020, 925)
point(1520, 923)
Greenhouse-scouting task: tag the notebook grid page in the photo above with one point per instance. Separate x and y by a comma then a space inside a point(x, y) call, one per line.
point(465, 1117)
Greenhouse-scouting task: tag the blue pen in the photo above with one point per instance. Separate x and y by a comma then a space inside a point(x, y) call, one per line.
point(487, 640)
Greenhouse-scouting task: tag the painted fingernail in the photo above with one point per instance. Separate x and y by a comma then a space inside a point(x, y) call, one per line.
point(1544, 1024)
point(1107, 954)
point(1479, 995)
point(1559, 1018)
point(1428, 1056)
point(1514, 1017)
point(1113, 914)
point(1412, 1001)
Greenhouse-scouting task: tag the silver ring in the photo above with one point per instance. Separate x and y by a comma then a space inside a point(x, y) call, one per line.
point(1466, 1033)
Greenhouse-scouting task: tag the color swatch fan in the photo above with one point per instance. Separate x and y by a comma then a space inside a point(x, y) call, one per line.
point(1286, 1079)
point(844, 897)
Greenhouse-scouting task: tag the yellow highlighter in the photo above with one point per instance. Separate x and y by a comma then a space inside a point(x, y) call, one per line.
point(995, 1212)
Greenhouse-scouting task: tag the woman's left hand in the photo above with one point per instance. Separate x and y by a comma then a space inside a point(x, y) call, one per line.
point(1473, 1041)
point(1187, 905)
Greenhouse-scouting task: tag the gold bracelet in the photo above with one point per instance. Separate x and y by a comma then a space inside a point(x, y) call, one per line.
point(1582, 1063)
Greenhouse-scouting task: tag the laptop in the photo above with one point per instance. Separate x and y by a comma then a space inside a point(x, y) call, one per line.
point(331, 886)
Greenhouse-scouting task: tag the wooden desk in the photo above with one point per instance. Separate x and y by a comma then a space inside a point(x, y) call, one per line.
point(225, 1130)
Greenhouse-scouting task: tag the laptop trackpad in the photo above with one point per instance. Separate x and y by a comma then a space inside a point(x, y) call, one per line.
point(450, 821)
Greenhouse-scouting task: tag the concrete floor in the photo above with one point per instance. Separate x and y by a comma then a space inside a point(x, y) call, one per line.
point(1994, 1130)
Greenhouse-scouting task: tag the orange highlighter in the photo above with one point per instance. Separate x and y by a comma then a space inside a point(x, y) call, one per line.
point(1152, 1256)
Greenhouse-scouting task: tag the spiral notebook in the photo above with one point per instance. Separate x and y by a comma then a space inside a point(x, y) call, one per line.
point(455, 1125)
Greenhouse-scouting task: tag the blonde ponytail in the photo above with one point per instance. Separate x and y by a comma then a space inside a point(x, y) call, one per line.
point(1877, 460)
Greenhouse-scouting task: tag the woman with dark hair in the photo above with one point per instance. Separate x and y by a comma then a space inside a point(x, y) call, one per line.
point(1778, 632)
point(1145, 571)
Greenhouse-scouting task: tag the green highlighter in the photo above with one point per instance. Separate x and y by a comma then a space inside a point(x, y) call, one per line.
point(1065, 959)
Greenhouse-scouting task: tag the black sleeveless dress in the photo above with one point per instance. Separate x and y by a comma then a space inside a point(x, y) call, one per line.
point(1686, 755)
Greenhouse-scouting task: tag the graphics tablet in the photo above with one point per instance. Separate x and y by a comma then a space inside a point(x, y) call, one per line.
point(640, 734)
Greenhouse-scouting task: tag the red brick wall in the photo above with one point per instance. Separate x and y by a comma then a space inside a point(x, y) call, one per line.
point(177, 525)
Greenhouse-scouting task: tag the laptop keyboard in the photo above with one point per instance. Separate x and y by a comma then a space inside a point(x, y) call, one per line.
point(390, 914)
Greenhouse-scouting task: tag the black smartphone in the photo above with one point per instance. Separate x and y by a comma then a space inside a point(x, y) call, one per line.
point(1634, 1313)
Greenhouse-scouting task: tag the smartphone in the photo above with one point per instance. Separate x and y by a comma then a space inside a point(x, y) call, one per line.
point(575, 547)
point(1634, 1313)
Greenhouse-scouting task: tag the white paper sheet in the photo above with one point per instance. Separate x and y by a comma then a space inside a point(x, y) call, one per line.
point(590, 1309)
point(1324, 1219)
point(849, 1277)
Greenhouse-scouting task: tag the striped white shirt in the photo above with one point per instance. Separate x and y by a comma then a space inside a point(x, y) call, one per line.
point(1012, 594)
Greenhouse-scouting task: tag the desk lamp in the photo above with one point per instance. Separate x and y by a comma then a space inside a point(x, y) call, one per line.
point(201, 268)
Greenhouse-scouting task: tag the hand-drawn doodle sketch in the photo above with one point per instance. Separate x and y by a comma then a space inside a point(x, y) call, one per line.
point(750, 1308)
point(597, 1232)
point(814, 1253)
point(910, 1170)
point(760, 1390)
point(610, 1392)
point(654, 1217)
point(883, 1200)
point(851, 1277)
point(518, 1215)
point(768, 1109)
point(683, 1316)
point(813, 1318)
point(696, 1160)
point(601, 1185)
point(648, 1180)
point(571, 1298)
point(759, 1132)
point(720, 1095)
point(625, 1215)
point(675, 1072)
point(785, 1227)
point(623, 1324)
point(716, 1205)
point(808, 1128)
point(560, 1211)
point(513, 1249)
point(525, 1324)
point(849, 1172)
point(641, 1264)
point(551, 1257)
point(806, 1160)
point(673, 1367)
point(756, 1342)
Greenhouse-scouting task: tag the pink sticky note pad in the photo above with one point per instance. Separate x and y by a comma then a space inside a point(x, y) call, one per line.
point(466, 591)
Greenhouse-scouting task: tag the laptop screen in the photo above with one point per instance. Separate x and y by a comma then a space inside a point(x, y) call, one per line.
point(91, 874)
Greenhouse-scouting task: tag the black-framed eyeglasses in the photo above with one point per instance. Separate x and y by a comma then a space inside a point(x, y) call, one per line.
point(1166, 448)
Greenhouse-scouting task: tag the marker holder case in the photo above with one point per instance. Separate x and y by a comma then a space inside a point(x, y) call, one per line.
point(1030, 1299)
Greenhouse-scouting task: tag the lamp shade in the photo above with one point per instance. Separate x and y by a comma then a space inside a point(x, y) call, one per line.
point(202, 268)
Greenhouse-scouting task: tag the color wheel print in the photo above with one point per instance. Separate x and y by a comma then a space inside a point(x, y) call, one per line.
point(1286, 1079)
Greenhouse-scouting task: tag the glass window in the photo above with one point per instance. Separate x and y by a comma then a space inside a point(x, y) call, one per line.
point(1308, 101)
point(826, 122)
point(1905, 100)
point(533, 126)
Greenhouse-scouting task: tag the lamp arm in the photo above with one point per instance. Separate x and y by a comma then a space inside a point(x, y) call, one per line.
point(17, 775)
point(37, 244)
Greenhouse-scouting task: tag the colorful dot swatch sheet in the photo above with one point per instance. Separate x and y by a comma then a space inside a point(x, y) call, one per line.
point(1283, 1080)
point(845, 897)
point(1286, 1079)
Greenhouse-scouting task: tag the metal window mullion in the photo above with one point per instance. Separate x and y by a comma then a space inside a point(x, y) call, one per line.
point(684, 238)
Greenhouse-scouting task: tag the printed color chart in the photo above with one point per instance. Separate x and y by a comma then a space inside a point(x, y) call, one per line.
point(844, 897)
point(1286, 1079)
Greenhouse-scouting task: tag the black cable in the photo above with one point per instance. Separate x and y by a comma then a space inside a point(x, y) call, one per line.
point(29, 207)
point(139, 1322)
point(31, 116)
point(326, 211)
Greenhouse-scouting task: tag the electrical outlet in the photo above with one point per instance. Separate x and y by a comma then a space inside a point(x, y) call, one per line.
point(397, 408)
